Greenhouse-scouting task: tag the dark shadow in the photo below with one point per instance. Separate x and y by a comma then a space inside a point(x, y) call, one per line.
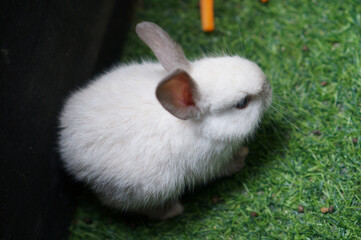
point(47, 49)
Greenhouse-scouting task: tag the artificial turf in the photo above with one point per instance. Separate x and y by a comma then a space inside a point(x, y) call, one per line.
point(307, 151)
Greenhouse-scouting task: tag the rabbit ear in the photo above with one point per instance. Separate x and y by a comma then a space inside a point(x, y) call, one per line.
point(177, 93)
point(168, 52)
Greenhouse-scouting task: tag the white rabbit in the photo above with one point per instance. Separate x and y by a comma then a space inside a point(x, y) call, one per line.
point(141, 134)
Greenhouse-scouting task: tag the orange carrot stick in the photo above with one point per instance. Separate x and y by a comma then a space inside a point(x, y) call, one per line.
point(207, 15)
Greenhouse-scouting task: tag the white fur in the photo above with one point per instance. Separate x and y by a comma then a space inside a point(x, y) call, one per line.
point(116, 137)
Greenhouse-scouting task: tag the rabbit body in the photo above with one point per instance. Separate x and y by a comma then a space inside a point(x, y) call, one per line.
point(117, 137)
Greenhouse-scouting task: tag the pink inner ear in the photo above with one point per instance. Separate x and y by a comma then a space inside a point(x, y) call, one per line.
point(179, 90)
point(176, 94)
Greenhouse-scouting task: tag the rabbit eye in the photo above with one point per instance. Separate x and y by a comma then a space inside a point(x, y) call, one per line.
point(243, 103)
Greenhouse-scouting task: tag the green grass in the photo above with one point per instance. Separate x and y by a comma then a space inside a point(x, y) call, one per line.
point(299, 45)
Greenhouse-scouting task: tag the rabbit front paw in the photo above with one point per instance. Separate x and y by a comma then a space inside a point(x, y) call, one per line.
point(237, 162)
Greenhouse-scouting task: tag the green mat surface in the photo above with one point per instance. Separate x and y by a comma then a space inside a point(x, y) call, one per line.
point(306, 153)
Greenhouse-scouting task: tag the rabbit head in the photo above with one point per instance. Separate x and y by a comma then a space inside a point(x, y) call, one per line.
point(222, 97)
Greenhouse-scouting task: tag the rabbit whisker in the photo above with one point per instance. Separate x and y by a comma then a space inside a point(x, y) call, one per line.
point(293, 125)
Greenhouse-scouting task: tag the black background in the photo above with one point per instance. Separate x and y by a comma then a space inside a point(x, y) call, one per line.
point(47, 49)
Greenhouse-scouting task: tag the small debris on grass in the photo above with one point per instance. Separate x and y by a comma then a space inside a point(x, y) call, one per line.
point(324, 210)
point(305, 48)
point(216, 199)
point(301, 209)
point(254, 214)
point(317, 132)
point(324, 83)
point(88, 220)
point(354, 140)
point(331, 209)
point(335, 45)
